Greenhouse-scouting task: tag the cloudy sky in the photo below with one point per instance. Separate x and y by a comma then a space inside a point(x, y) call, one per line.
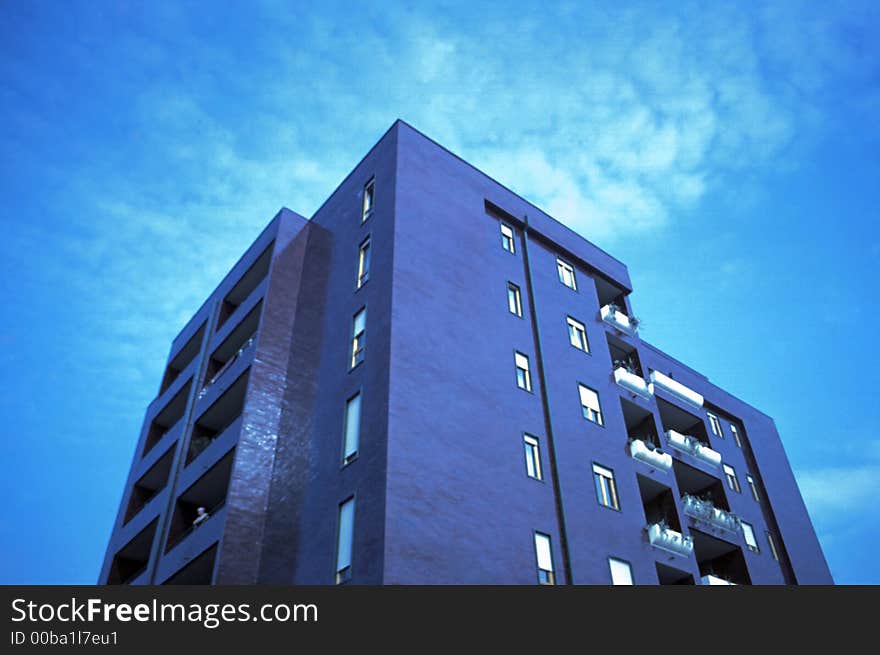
point(729, 155)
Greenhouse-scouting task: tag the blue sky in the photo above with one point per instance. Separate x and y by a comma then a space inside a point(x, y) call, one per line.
point(729, 155)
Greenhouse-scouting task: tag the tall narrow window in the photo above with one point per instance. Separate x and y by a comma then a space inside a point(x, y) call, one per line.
point(545, 559)
point(772, 543)
point(732, 480)
point(352, 428)
point(566, 274)
point(606, 489)
point(363, 262)
point(344, 535)
point(577, 334)
point(590, 404)
point(753, 487)
point(514, 299)
point(358, 329)
point(507, 238)
point(533, 457)
point(735, 434)
point(523, 375)
point(715, 424)
point(369, 193)
point(621, 571)
point(749, 535)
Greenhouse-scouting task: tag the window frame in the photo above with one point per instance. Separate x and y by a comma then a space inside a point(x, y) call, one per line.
point(753, 487)
point(505, 238)
point(578, 327)
point(358, 340)
point(737, 438)
point(369, 190)
point(632, 580)
point(731, 477)
point(517, 295)
point(562, 265)
point(610, 486)
point(599, 413)
point(715, 425)
point(349, 458)
point(749, 529)
point(771, 541)
point(343, 575)
point(552, 570)
point(363, 261)
point(532, 445)
point(528, 371)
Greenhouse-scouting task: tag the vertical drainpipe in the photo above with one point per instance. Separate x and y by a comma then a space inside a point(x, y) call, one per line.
point(545, 399)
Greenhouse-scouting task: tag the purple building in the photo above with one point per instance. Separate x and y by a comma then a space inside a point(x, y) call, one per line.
point(432, 381)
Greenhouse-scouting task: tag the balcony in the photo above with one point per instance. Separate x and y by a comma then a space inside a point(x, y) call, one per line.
point(618, 320)
point(227, 365)
point(715, 581)
point(130, 561)
point(665, 538)
point(167, 418)
point(249, 281)
point(182, 359)
point(705, 511)
point(674, 388)
point(220, 415)
point(692, 446)
point(647, 452)
point(632, 382)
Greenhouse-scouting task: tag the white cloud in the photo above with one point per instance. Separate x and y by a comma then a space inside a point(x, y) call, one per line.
point(839, 495)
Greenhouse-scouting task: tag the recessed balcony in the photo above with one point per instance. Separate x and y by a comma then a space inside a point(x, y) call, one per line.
point(665, 538)
point(167, 418)
point(704, 510)
point(675, 388)
point(246, 285)
point(716, 581)
point(182, 359)
point(612, 315)
point(214, 421)
point(648, 453)
point(690, 445)
point(132, 559)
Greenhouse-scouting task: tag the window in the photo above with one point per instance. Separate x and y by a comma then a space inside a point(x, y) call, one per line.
point(606, 489)
point(359, 325)
point(621, 572)
point(735, 434)
point(566, 274)
point(749, 535)
point(590, 404)
point(363, 263)
point(352, 428)
point(514, 300)
point(344, 535)
point(754, 487)
point(715, 424)
point(523, 376)
point(545, 559)
point(507, 238)
point(369, 192)
point(533, 457)
point(772, 543)
point(732, 481)
point(577, 334)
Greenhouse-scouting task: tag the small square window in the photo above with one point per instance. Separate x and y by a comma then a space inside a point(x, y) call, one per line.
point(533, 457)
point(606, 488)
point(577, 334)
point(732, 480)
point(507, 241)
point(514, 299)
point(715, 425)
point(369, 193)
point(523, 374)
point(590, 406)
point(749, 536)
point(566, 274)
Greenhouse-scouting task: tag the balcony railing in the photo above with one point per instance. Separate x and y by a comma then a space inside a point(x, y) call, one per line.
point(706, 511)
point(714, 580)
point(247, 344)
point(675, 388)
point(632, 382)
point(693, 446)
point(618, 319)
point(665, 538)
point(650, 455)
